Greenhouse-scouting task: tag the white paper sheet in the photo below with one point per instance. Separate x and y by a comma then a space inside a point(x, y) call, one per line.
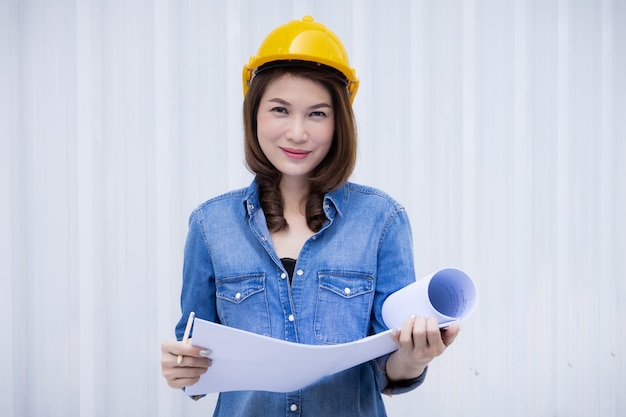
point(248, 361)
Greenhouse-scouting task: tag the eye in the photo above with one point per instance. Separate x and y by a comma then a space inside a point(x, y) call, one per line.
point(280, 110)
point(318, 114)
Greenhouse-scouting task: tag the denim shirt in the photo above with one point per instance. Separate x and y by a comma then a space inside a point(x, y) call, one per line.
point(233, 276)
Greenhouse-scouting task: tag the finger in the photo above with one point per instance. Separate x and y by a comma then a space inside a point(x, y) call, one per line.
point(184, 377)
point(182, 382)
point(450, 333)
point(418, 334)
point(192, 362)
point(433, 334)
point(395, 335)
point(185, 374)
point(407, 331)
point(191, 356)
point(176, 348)
point(169, 346)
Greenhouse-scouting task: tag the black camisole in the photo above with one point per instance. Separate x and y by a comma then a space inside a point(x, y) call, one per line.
point(290, 265)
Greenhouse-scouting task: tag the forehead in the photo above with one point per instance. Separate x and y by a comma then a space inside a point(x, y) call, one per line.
point(298, 87)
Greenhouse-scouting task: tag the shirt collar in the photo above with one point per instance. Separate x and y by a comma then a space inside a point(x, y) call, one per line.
point(251, 200)
point(334, 201)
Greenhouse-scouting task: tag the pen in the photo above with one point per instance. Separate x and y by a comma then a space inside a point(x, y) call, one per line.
point(186, 335)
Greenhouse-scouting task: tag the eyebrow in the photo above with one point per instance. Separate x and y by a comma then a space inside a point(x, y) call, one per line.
point(286, 103)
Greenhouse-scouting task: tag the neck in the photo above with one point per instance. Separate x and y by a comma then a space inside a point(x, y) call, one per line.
point(294, 192)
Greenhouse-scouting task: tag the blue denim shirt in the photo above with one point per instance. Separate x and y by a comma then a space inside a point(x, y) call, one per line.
point(233, 276)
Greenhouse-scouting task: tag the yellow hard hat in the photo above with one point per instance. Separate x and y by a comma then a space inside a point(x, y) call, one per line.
point(303, 40)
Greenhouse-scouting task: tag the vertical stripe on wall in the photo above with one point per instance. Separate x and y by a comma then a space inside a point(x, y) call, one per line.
point(500, 126)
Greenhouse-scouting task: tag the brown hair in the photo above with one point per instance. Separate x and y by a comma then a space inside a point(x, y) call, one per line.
point(331, 173)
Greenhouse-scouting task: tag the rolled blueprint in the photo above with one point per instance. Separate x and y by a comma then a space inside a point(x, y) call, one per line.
point(448, 294)
point(248, 361)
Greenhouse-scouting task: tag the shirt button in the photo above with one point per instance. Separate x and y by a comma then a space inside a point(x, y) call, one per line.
point(250, 206)
point(293, 407)
point(238, 296)
point(263, 238)
point(283, 275)
point(299, 272)
point(291, 317)
point(347, 290)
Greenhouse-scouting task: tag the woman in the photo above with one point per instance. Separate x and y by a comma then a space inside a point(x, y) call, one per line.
point(302, 254)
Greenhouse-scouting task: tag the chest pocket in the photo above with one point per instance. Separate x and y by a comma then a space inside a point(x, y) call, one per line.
point(242, 303)
point(344, 303)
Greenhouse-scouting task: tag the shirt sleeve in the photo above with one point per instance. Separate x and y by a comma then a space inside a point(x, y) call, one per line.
point(198, 288)
point(395, 271)
point(396, 387)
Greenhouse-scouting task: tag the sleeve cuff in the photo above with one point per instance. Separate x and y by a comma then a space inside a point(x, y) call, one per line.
point(390, 388)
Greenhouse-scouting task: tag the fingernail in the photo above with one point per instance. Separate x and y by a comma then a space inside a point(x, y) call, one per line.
point(412, 316)
point(395, 331)
point(206, 353)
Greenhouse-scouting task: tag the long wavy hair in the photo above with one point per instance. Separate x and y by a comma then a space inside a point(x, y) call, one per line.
point(330, 174)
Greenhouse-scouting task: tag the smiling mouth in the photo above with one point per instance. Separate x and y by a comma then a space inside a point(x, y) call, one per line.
point(295, 153)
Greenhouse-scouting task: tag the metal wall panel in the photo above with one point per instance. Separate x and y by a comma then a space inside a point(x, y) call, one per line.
point(501, 126)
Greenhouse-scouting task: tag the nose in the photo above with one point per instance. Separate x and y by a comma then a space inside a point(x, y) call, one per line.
point(297, 130)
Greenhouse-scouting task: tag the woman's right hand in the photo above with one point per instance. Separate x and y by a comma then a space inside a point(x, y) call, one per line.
point(195, 362)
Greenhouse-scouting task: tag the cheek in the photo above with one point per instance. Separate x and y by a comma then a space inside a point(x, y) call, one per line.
point(261, 122)
point(267, 128)
point(325, 135)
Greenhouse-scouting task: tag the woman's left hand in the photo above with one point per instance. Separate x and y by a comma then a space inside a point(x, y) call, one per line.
point(419, 341)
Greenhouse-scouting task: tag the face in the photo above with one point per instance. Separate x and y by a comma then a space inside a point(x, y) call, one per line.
point(295, 125)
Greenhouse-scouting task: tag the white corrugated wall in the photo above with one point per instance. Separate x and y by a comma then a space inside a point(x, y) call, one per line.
point(500, 125)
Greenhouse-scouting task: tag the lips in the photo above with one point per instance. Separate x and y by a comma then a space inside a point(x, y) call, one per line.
point(295, 153)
